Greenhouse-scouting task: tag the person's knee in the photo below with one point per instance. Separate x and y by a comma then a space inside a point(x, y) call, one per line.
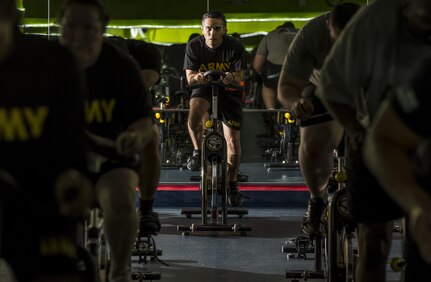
point(313, 151)
point(118, 197)
point(195, 119)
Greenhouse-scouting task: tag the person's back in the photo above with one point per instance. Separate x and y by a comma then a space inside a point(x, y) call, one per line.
point(41, 140)
point(269, 59)
point(276, 44)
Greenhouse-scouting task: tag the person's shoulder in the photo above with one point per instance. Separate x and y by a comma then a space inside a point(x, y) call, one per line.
point(232, 42)
point(112, 56)
point(146, 54)
point(118, 42)
point(369, 17)
point(197, 41)
point(317, 22)
point(45, 52)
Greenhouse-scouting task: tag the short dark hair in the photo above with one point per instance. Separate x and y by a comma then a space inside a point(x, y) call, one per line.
point(104, 18)
point(286, 25)
point(214, 15)
point(193, 35)
point(8, 11)
point(342, 13)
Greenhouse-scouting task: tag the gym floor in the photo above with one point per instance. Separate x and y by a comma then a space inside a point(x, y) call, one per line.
point(278, 199)
point(229, 257)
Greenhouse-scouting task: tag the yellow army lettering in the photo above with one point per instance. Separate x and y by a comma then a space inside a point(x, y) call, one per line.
point(57, 246)
point(99, 111)
point(22, 124)
point(215, 66)
point(233, 123)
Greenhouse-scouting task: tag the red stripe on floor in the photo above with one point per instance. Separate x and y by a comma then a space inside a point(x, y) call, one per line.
point(242, 187)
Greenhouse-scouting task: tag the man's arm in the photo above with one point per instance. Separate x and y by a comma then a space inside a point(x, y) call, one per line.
point(194, 77)
point(233, 77)
point(258, 63)
point(137, 136)
point(345, 115)
point(386, 153)
point(150, 77)
point(289, 95)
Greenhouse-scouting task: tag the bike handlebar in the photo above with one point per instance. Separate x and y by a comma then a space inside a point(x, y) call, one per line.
point(214, 74)
point(217, 83)
point(106, 147)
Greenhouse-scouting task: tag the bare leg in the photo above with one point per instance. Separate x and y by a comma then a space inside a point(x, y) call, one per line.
point(316, 154)
point(233, 139)
point(116, 194)
point(374, 242)
point(198, 108)
point(150, 168)
point(269, 97)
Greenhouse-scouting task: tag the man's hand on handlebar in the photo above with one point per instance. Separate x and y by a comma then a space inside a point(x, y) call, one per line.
point(130, 143)
point(302, 108)
point(228, 78)
point(73, 192)
point(199, 78)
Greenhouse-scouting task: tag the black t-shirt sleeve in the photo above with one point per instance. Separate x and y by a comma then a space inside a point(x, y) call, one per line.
point(240, 60)
point(190, 59)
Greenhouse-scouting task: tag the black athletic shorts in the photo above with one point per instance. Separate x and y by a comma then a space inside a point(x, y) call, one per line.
point(36, 243)
point(271, 75)
point(229, 105)
point(368, 202)
point(320, 113)
point(110, 164)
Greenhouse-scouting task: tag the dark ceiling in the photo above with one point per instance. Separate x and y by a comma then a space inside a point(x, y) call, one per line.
point(185, 9)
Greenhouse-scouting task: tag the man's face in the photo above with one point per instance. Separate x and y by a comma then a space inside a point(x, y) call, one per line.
point(82, 33)
point(6, 37)
point(213, 31)
point(418, 17)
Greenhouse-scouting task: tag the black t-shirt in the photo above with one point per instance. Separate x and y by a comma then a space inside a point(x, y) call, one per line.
point(116, 94)
point(41, 114)
point(146, 54)
point(228, 57)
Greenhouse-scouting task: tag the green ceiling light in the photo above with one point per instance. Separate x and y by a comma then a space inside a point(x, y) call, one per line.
point(268, 20)
point(157, 26)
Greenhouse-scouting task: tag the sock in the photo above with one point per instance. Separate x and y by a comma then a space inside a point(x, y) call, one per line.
point(196, 152)
point(146, 206)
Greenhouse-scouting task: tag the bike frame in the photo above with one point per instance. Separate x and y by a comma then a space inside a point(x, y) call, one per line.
point(214, 155)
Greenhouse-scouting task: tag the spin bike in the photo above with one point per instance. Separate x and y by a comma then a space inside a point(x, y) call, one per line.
point(334, 254)
point(214, 171)
point(94, 237)
point(285, 156)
